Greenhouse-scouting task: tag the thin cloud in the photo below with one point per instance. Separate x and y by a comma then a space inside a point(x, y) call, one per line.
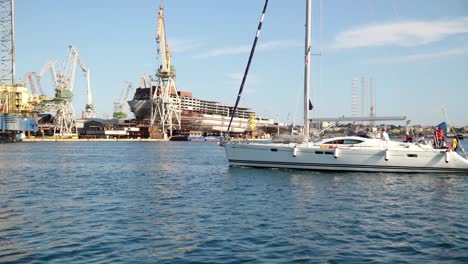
point(425, 56)
point(182, 45)
point(405, 33)
point(235, 76)
point(268, 46)
point(224, 51)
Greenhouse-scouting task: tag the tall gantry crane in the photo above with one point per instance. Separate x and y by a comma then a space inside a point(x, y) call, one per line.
point(120, 106)
point(166, 102)
point(61, 103)
point(7, 54)
point(63, 80)
point(7, 43)
point(14, 98)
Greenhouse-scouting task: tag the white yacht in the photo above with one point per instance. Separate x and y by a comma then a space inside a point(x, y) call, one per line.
point(344, 153)
point(347, 154)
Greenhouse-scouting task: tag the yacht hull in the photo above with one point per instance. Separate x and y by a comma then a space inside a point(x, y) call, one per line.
point(343, 159)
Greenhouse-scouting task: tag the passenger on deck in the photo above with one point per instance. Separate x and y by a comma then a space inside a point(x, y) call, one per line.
point(408, 137)
point(385, 135)
point(455, 143)
point(439, 138)
point(421, 139)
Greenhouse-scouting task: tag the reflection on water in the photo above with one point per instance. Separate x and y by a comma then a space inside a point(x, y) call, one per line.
point(180, 202)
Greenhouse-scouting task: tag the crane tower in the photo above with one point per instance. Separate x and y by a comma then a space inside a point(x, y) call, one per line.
point(165, 102)
point(7, 43)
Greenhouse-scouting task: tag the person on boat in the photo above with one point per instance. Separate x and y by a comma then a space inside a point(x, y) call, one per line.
point(408, 137)
point(385, 135)
point(439, 138)
point(421, 139)
point(454, 146)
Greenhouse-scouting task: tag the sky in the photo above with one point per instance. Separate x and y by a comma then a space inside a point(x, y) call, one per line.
point(415, 51)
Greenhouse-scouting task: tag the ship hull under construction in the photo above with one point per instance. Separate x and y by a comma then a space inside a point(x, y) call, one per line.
point(201, 115)
point(194, 120)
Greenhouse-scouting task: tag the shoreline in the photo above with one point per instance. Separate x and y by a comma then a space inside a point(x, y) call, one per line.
point(30, 140)
point(92, 140)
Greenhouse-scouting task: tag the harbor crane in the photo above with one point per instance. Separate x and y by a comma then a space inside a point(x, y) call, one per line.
point(74, 59)
point(120, 106)
point(63, 79)
point(35, 85)
point(145, 81)
point(166, 104)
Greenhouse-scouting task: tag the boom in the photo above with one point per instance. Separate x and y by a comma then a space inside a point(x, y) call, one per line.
point(73, 59)
point(163, 48)
point(33, 82)
point(52, 67)
point(120, 106)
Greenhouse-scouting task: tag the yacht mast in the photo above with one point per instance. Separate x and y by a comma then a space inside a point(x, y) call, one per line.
point(252, 51)
point(307, 70)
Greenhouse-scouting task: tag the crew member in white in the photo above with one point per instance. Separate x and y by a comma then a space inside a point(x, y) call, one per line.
point(385, 135)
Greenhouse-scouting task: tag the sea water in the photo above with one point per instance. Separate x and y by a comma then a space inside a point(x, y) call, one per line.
point(178, 202)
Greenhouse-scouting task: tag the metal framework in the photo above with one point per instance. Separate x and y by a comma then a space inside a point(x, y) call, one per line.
point(35, 85)
point(363, 96)
point(354, 97)
point(165, 102)
point(7, 42)
point(63, 80)
point(372, 99)
point(120, 106)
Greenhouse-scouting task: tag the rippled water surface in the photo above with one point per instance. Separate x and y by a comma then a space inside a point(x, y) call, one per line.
point(180, 202)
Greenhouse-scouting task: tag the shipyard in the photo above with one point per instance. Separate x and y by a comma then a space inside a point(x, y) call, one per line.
point(175, 131)
point(160, 111)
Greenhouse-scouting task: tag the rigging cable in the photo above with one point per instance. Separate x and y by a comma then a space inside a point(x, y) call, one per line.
point(252, 51)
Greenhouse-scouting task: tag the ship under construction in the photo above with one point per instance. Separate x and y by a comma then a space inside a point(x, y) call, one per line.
point(198, 114)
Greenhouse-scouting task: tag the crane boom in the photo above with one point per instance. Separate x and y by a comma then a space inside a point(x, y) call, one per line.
point(127, 93)
point(35, 85)
point(120, 106)
point(88, 88)
point(163, 48)
point(74, 59)
point(145, 81)
point(52, 67)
